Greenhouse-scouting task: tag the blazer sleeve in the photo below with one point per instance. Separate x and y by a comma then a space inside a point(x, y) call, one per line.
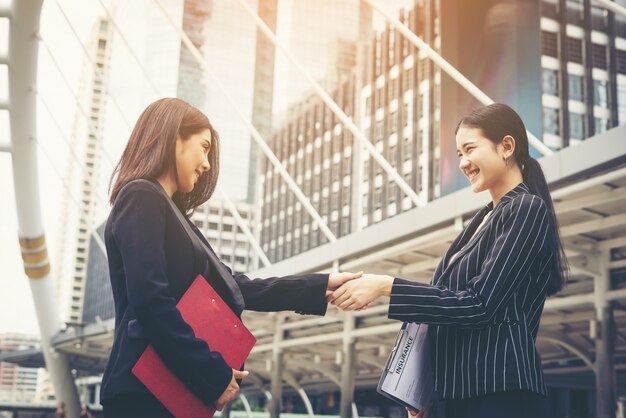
point(139, 232)
point(305, 294)
point(521, 239)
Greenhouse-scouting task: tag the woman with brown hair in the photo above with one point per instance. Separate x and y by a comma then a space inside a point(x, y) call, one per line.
point(172, 156)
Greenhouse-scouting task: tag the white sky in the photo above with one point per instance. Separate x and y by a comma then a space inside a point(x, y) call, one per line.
point(17, 312)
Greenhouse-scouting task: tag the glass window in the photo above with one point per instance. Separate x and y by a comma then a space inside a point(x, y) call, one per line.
point(551, 121)
point(621, 97)
point(602, 125)
point(550, 82)
point(599, 56)
point(621, 61)
point(576, 125)
point(600, 97)
point(575, 83)
point(549, 44)
point(575, 50)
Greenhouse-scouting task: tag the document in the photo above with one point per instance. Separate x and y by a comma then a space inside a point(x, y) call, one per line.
point(407, 377)
point(212, 321)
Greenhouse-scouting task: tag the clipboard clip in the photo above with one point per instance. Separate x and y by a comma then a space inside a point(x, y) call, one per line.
point(394, 350)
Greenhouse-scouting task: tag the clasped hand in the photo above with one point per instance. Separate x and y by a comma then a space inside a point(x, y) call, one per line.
point(231, 390)
point(352, 295)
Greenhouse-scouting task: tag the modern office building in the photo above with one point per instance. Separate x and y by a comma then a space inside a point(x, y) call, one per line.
point(332, 364)
point(227, 38)
point(82, 177)
point(402, 110)
point(583, 70)
point(17, 383)
point(219, 226)
point(310, 31)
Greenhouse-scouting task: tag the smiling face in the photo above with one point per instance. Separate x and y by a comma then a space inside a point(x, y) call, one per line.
point(192, 159)
point(480, 160)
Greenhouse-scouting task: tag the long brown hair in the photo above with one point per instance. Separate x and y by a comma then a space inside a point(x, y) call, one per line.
point(151, 150)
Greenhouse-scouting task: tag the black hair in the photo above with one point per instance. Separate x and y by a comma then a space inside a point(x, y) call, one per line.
point(497, 121)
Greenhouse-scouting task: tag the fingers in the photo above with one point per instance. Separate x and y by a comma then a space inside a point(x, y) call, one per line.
point(231, 390)
point(240, 374)
point(338, 293)
point(412, 413)
point(337, 279)
point(351, 304)
point(340, 296)
point(346, 277)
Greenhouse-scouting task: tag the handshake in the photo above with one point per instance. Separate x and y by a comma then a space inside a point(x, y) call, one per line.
point(349, 292)
point(356, 291)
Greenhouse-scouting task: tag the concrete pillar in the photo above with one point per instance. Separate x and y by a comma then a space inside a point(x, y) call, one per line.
point(277, 365)
point(604, 339)
point(347, 367)
point(23, 50)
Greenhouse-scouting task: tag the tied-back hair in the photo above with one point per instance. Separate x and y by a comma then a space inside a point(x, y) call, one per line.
point(497, 121)
point(151, 150)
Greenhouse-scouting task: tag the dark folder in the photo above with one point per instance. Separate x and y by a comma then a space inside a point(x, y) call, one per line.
point(212, 321)
point(407, 378)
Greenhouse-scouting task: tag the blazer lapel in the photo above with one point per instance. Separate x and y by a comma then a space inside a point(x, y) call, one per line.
point(446, 265)
point(463, 243)
point(236, 298)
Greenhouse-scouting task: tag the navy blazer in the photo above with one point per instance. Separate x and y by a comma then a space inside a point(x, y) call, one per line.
point(485, 305)
point(152, 261)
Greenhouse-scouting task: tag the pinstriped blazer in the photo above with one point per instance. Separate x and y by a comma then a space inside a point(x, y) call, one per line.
point(484, 304)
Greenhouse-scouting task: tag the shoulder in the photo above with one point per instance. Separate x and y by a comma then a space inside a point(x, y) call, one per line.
point(526, 204)
point(137, 200)
point(138, 192)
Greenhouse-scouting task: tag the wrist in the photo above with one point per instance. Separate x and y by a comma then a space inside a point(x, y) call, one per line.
point(386, 285)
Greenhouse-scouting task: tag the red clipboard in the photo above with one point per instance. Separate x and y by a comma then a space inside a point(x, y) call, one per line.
point(213, 321)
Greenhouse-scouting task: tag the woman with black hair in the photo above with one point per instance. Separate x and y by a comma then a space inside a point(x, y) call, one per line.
point(485, 301)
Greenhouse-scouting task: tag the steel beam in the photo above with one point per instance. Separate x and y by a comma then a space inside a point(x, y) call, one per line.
point(450, 70)
point(195, 52)
point(334, 107)
point(23, 51)
point(574, 165)
point(612, 6)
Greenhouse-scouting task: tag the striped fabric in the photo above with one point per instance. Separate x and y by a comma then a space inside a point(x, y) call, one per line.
point(484, 305)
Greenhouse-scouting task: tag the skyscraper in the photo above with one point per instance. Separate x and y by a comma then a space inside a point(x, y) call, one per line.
point(309, 30)
point(568, 87)
point(82, 176)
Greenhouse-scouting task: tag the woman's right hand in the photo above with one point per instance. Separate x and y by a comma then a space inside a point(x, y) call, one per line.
point(424, 413)
point(231, 390)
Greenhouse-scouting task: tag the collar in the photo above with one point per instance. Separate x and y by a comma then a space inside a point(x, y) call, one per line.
point(517, 190)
